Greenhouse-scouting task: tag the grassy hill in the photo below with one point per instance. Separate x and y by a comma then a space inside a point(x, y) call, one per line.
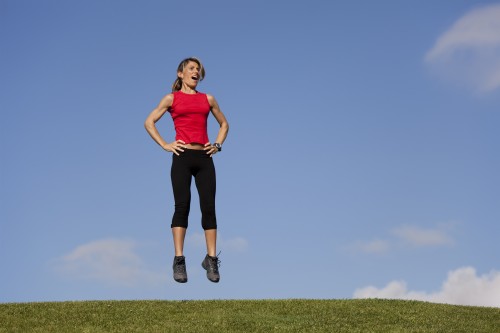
point(247, 316)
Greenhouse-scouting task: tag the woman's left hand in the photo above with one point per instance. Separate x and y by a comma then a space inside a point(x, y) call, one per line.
point(210, 149)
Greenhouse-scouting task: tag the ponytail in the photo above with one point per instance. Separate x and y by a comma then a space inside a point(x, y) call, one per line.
point(177, 85)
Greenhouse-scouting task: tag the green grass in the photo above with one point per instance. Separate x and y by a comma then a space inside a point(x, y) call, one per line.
point(247, 316)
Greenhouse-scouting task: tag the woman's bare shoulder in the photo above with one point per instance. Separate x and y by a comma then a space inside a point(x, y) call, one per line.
point(167, 100)
point(211, 99)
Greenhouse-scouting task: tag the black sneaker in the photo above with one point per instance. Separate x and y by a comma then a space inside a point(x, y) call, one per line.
point(179, 267)
point(211, 265)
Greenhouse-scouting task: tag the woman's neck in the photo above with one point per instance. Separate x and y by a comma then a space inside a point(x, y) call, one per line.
point(188, 90)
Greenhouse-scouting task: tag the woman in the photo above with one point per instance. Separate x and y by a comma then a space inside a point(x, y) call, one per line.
point(192, 156)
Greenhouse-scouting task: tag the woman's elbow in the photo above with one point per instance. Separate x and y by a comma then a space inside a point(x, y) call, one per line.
point(149, 124)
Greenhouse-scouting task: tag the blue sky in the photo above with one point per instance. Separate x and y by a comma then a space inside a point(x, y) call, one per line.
point(362, 158)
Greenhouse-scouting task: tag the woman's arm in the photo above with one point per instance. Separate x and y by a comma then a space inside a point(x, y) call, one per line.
point(150, 126)
point(221, 119)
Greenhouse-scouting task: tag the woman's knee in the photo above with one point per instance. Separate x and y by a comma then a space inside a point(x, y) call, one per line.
point(208, 217)
point(181, 215)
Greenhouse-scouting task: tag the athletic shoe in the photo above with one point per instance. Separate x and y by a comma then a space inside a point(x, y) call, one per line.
point(211, 265)
point(179, 267)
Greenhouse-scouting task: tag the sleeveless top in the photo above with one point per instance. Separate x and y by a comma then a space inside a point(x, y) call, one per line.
point(190, 113)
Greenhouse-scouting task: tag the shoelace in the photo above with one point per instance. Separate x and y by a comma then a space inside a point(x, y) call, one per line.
point(214, 262)
point(179, 265)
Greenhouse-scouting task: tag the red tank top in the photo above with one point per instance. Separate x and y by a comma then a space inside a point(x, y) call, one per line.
point(190, 113)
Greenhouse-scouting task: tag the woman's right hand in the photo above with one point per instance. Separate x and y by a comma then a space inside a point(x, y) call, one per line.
point(175, 147)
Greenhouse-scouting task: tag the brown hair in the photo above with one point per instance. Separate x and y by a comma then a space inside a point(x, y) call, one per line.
point(177, 85)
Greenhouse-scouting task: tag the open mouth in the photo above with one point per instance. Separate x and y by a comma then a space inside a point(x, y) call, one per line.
point(194, 77)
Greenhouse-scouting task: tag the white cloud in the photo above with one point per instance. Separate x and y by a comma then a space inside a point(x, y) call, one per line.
point(462, 287)
point(406, 235)
point(422, 237)
point(469, 51)
point(377, 246)
point(235, 244)
point(109, 260)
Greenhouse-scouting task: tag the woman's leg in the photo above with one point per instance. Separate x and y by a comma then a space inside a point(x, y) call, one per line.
point(206, 184)
point(211, 240)
point(181, 185)
point(179, 234)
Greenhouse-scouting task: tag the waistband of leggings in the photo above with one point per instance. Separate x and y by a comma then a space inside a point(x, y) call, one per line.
point(194, 152)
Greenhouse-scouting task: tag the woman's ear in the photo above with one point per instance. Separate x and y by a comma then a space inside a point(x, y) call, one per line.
point(180, 75)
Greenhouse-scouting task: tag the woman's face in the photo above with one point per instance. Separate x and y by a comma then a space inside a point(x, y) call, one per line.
point(190, 75)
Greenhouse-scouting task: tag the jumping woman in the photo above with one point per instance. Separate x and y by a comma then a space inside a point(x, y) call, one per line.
point(192, 157)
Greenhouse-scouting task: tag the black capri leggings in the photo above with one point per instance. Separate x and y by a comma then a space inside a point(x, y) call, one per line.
point(199, 164)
